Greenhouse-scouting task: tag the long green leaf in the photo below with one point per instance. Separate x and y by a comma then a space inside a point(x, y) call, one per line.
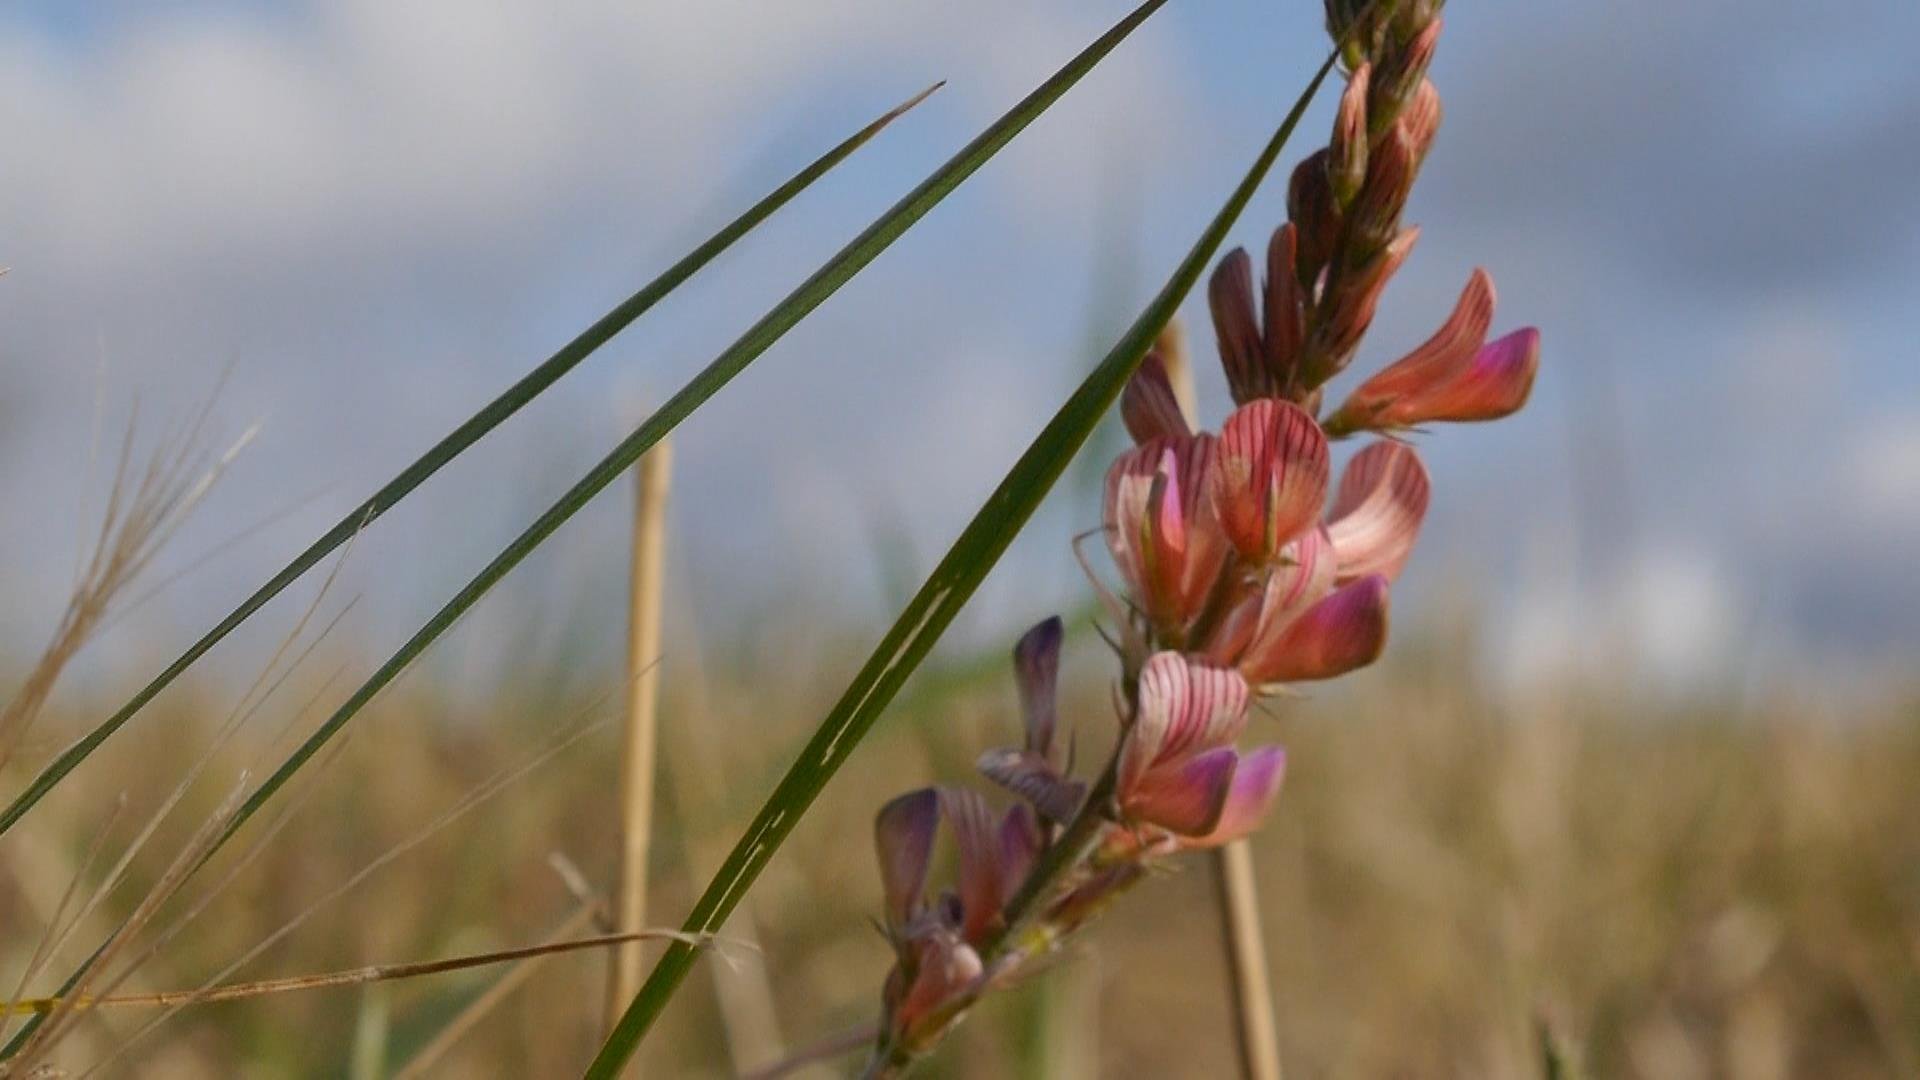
point(824, 282)
point(496, 411)
point(946, 591)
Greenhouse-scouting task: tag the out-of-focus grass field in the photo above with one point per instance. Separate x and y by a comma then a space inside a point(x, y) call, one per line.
point(1721, 888)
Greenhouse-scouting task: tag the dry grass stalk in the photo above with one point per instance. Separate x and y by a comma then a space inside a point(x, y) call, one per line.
point(142, 514)
point(652, 477)
point(1250, 984)
point(372, 973)
point(583, 917)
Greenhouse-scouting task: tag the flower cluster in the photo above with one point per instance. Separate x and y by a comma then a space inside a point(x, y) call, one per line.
point(1245, 567)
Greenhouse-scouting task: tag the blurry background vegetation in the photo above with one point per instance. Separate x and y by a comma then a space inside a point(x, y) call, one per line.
point(1638, 766)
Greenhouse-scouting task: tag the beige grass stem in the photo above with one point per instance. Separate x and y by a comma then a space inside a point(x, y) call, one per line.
point(653, 475)
point(1249, 982)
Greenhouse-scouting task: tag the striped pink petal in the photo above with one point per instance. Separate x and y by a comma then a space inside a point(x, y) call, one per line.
point(1242, 349)
point(1285, 304)
point(1160, 527)
point(1271, 477)
point(903, 837)
point(1184, 707)
point(1256, 783)
point(1378, 509)
point(1440, 358)
point(1185, 797)
point(1347, 630)
point(977, 836)
point(1036, 666)
point(1034, 779)
point(1149, 407)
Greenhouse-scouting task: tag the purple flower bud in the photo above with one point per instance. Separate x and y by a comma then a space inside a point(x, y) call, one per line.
point(1347, 150)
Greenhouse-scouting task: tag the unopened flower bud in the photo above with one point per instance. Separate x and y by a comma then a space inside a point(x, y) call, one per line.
point(1399, 74)
point(1421, 120)
point(1347, 151)
point(1242, 351)
point(1346, 322)
point(1285, 305)
point(1311, 208)
point(1376, 213)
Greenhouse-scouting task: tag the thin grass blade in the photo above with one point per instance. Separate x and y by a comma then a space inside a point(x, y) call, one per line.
point(814, 291)
point(462, 437)
point(945, 592)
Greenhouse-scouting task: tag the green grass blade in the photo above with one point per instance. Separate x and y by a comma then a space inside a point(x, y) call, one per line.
point(824, 282)
point(468, 433)
point(945, 592)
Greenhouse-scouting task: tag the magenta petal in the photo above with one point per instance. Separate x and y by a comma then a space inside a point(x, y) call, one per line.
point(1390, 397)
point(1496, 384)
point(1149, 407)
point(1271, 477)
point(1186, 797)
point(977, 836)
point(1034, 779)
point(903, 836)
point(944, 968)
point(1378, 511)
point(1160, 528)
point(1036, 665)
point(1347, 630)
point(1184, 705)
point(1256, 783)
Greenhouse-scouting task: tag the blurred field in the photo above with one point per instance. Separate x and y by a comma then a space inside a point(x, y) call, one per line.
point(1722, 888)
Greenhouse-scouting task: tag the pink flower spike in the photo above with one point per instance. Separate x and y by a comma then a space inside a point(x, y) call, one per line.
point(1149, 407)
point(1271, 478)
point(1347, 630)
point(1187, 797)
point(903, 836)
point(1256, 783)
point(1378, 510)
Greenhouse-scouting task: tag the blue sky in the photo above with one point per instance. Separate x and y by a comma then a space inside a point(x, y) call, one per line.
point(380, 214)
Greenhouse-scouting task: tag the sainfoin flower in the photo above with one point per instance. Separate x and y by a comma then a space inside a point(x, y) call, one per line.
point(1178, 768)
point(936, 942)
point(1455, 375)
point(1241, 570)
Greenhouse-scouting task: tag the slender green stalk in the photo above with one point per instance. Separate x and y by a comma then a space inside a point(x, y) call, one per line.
point(811, 293)
point(945, 592)
point(462, 437)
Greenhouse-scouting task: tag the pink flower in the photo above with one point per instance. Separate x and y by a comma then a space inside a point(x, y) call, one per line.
point(1345, 630)
point(938, 969)
point(1258, 354)
point(1377, 513)
point(1455, 375)
point(1270, 478)
point(1034, 772)
point(1177, 764)
point(1322, 610)
point(1160, 527)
